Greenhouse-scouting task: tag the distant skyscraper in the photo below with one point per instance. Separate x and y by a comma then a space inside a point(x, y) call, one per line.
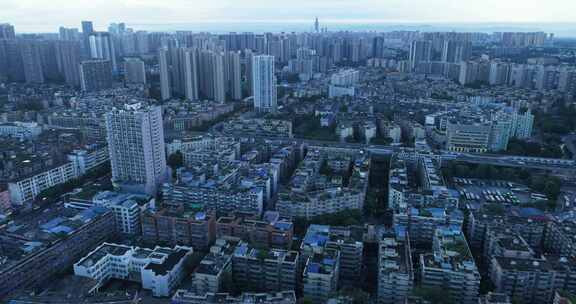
point(179, 70)
point(32, 61)
point(275, 49)
point(567, 80)
point(117, 28)
point(377, 47)
point(47, 50)
point(248, 74)
point(219, 79)
point(316, 25)
point(102, 47)
point(7, 31)
point(420, 51)
point(287, 49)
point(11, 60)
point(96, 75)
point(260, 45)
point(469, 72)
point(142, 43)
point(3, 61)
point(213, 82)
point(546, 77)
point(70, 34)
point(499, 73)
point(233, 76)
point(87, 28)
point(134, 71)
point(68, 57)
point(127, 44)
point(264, 81)
point(177, 76)
point(191, 74)
point(165, 87)
point(456, 51)
point(136, 144)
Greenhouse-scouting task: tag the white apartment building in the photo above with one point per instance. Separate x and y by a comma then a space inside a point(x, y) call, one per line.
point(160, 270)
point(80, 162)
point(20, 130)
point(317, 203)
point(127, 209)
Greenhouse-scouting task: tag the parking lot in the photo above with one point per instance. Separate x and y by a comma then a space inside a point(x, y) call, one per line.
point(495, 191)
point(115, 285)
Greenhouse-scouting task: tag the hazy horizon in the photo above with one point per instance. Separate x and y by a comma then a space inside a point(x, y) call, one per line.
point(557, 16)
point(560, 29)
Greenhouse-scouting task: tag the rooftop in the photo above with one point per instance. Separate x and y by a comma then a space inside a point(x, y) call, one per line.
point(174, 257)
point(325, 263)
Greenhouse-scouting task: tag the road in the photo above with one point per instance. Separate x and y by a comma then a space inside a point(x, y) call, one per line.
point(570, 143)
point(554, 164)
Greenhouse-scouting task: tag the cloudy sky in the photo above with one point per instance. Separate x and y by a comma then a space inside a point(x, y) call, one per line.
point(33, 15)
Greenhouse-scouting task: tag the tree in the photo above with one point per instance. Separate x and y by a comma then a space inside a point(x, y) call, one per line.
point(30, 105)
point(325, 169)
point(433, 295)
point(373, 205)
point(351, 139)
point(176, 160)
point(383, 141)
point(552, 187)
point(358, 296)
point(292, 78)
point(348, 217)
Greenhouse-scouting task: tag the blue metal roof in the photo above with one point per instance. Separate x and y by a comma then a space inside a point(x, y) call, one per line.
point(314, 268)
point(52, 223)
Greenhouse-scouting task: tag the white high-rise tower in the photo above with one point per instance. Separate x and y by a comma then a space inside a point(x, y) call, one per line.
point(136, 145)
point(264, 84)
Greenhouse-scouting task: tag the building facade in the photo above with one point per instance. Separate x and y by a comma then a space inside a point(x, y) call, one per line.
point(136, 145)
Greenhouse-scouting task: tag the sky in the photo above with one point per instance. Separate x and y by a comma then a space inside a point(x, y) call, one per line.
point(48, 15)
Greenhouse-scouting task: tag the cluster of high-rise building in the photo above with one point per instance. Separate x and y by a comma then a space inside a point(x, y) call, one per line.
point(195, 73)
point(535, 75)
point(538, 75)
point(84, 60)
